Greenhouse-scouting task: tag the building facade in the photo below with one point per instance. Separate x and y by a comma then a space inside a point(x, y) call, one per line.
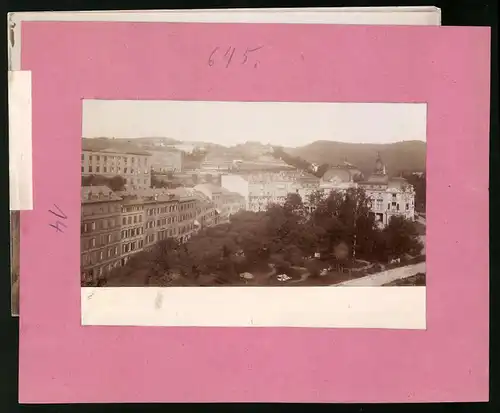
point(162, 218)
point(263, 189)
point(389, 196)
point(132, 231)
point(134, 167)
point(100, 232)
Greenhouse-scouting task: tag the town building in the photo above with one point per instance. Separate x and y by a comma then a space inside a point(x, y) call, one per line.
point(263, 189)
point(131, 164)
point(132, 231)
point(389, 196)
point(162, 216)
point(100, 242)
point(343, 176)
point(214, 193)
point(206, 215)
point(188, 225)
point(232, 203)
point(226, 202)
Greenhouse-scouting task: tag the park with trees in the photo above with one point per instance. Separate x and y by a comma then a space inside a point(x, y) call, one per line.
point(284, 245)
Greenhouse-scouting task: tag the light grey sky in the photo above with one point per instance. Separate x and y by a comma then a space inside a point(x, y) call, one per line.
point(278, 123)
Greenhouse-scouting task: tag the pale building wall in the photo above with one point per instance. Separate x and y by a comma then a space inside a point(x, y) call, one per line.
point(134, 168)
point(237, 184)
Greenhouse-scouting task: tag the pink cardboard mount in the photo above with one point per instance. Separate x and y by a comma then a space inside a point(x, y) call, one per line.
point(446, 67)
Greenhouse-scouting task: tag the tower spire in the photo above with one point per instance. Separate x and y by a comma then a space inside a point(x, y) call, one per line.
point(379, 165)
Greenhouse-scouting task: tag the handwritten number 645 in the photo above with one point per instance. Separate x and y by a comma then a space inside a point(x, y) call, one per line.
point(230, 53)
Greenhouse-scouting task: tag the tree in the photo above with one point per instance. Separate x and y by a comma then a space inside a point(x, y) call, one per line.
point(117, 183)
point(322, 170)
point(401, 237)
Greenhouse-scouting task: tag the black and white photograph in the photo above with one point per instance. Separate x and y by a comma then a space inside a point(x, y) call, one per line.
point(252, 194)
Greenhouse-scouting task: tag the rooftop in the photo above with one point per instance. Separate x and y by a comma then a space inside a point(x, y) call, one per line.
point(108, 145)
point(208, 189)
point(98, 193)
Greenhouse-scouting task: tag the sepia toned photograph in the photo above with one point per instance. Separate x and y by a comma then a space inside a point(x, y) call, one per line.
point(14, 261)
point(264, 194)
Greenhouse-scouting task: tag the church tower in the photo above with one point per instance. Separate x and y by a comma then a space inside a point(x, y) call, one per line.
point(379, 165)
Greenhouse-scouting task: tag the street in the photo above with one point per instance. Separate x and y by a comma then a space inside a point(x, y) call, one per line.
point(384, 277)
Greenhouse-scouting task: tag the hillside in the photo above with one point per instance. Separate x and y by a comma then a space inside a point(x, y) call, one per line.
point(398, 157)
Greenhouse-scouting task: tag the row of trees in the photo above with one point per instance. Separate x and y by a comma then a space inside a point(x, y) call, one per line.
point(298, 162)
point(116, 183)
point(340, 228)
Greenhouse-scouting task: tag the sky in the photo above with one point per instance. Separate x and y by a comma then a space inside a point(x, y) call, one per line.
point(289, 124)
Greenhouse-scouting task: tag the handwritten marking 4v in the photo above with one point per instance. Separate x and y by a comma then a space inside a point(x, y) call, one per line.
point(58, 223)
point(230, 54)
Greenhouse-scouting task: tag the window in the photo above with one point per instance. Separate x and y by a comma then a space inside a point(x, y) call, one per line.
point(93, 226)
point(407, 206)
point(83, 156)
point(98, 157)
point(97, 169)
point(116, 250)
point(124, 221)
point(389, 205)
point(90, 168)
point(83, 168)
point(135, 219)
point(105, 169)
point(397, 207)
point(85, 228)
point(109, 238)
point(124, 170)
point(129, 220)
point(109, 252)
point(90, 158)
point(140, 218)
point(105, 158)
point(101, 255)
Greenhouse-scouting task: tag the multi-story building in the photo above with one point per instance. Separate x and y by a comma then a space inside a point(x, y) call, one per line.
point(214, 193)
point(133, 166)
point(187, 224)
point(389, 196)
point(161, 218)
point(343, 176)
point(206, 215)
point(132, 231)
point(232, 203)
point(100, 232)
point(262, 189)
point(226, 202)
